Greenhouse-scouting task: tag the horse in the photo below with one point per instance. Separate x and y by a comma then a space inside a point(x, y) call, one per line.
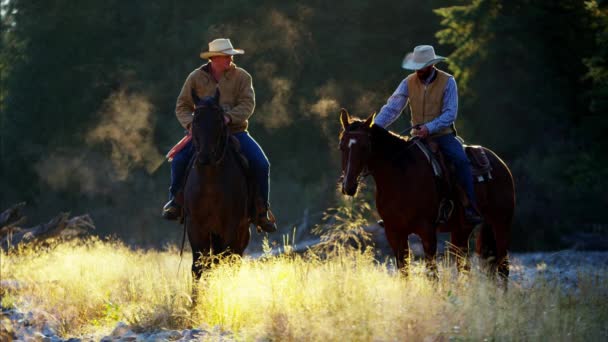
point(217, 196)
point(408, 200)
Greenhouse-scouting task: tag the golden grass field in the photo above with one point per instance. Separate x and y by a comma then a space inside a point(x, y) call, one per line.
point(86, 287)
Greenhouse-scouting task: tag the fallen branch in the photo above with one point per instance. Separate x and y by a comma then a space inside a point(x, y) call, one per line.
point(12, 216)
point(61, 226)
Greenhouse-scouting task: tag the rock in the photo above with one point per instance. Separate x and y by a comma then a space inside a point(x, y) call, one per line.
point(168, 335)
point(129, 336)
point(121, 329)
point(49, 331)
point(106, 339)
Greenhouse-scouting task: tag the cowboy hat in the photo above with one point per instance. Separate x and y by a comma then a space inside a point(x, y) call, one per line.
point(221, 47)
point(423, 56)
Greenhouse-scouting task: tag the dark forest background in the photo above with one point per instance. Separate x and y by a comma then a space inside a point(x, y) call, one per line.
point(88, 90)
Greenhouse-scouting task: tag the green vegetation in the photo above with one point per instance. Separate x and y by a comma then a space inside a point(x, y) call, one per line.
point(88, 93)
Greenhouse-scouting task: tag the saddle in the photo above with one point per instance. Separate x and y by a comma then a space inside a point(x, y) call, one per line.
point(444, 172)
point(480, 164)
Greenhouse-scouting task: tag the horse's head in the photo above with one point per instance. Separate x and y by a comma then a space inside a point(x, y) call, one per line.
point(356, 147)
point(209, 131)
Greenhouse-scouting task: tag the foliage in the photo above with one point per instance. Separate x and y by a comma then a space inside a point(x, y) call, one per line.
point(88, 94)
point(526, 97)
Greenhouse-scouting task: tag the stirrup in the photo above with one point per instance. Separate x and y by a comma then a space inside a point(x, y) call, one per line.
point(266, 222)
point(172, 211)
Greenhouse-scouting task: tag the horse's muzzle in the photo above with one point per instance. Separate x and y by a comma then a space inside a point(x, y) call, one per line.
point(349, 189)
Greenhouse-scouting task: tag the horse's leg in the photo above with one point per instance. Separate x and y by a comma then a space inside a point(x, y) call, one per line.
point(460, 249)
point(200, 251)
point(400, 247)
point(486, 248)
point(502, 258)
point(429, 243)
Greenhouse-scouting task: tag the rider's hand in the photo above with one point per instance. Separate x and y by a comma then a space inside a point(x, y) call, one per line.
point(422, 132)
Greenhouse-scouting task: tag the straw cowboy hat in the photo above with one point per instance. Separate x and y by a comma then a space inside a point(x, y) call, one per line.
point(423, 56)
point(221, 47)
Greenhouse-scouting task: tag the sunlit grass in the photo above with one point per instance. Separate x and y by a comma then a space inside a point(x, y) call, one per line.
point(87, 287)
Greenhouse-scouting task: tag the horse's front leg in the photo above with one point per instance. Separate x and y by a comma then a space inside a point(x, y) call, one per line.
point(399, 244)
point(459, 247)
point(429, 243)
point(200, 252)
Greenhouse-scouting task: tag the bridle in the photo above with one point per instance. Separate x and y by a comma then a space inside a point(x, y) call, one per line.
point(215, 157)
point(365, 171)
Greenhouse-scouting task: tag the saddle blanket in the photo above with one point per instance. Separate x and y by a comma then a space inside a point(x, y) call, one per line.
point(178, 147)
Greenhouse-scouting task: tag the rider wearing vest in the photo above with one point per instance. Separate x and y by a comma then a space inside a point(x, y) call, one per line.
point(237, 98)
point(433, 101)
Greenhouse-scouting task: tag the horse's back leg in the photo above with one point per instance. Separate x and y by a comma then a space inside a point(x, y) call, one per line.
point(492, 247)
point(501, 233)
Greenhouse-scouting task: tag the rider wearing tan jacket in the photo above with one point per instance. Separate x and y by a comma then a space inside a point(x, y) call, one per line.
point(237, 99)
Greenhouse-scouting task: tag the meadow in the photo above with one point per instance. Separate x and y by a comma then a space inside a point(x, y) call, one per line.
point(86, 287)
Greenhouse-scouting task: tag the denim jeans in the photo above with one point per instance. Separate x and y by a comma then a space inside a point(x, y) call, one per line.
point(454, 151)
point(249, 147)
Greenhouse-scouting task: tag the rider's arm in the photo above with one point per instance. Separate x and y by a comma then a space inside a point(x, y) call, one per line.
point(449, 109)
point(245, 102)
point(184, 106)
point(393, 107)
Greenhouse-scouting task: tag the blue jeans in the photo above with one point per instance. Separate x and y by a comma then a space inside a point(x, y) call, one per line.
point(258, 162)
point(454, 151)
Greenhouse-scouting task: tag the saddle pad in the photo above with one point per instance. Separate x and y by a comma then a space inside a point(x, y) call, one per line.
point(178, 147)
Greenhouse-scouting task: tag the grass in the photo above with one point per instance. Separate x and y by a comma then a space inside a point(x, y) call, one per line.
point(86, 287)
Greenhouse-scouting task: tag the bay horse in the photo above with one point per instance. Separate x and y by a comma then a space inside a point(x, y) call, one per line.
point(408, 200)
point(217, 197)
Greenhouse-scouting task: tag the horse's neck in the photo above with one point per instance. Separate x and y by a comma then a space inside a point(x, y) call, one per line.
point(389, 163)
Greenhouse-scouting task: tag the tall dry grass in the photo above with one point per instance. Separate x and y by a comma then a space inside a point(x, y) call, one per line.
point(88, 286)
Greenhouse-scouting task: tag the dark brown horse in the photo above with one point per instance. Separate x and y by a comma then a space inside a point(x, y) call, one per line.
point(407, 198)
point(216, 196)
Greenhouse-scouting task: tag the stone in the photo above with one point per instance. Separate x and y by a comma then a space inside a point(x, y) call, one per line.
point(120, 329)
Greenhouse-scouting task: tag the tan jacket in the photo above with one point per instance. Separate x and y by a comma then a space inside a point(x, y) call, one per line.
point(236, 95)
point(426, 101)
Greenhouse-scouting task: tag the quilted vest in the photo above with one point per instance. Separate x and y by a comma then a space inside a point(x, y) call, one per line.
point(426, 101)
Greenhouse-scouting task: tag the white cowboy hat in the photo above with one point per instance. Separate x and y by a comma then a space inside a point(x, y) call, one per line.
point(423, 56)
point(221, 47)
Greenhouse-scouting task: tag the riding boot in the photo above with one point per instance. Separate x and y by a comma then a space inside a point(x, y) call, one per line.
point(472, 216)
point(265, 220)
point(172, 211)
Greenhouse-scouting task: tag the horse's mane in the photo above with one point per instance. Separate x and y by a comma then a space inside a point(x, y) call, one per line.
point(386, 144)
point(391, 146)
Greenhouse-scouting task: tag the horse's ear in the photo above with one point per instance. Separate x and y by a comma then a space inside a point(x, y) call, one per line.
point(195, 99)
point(370, 120)
point(344, 118)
